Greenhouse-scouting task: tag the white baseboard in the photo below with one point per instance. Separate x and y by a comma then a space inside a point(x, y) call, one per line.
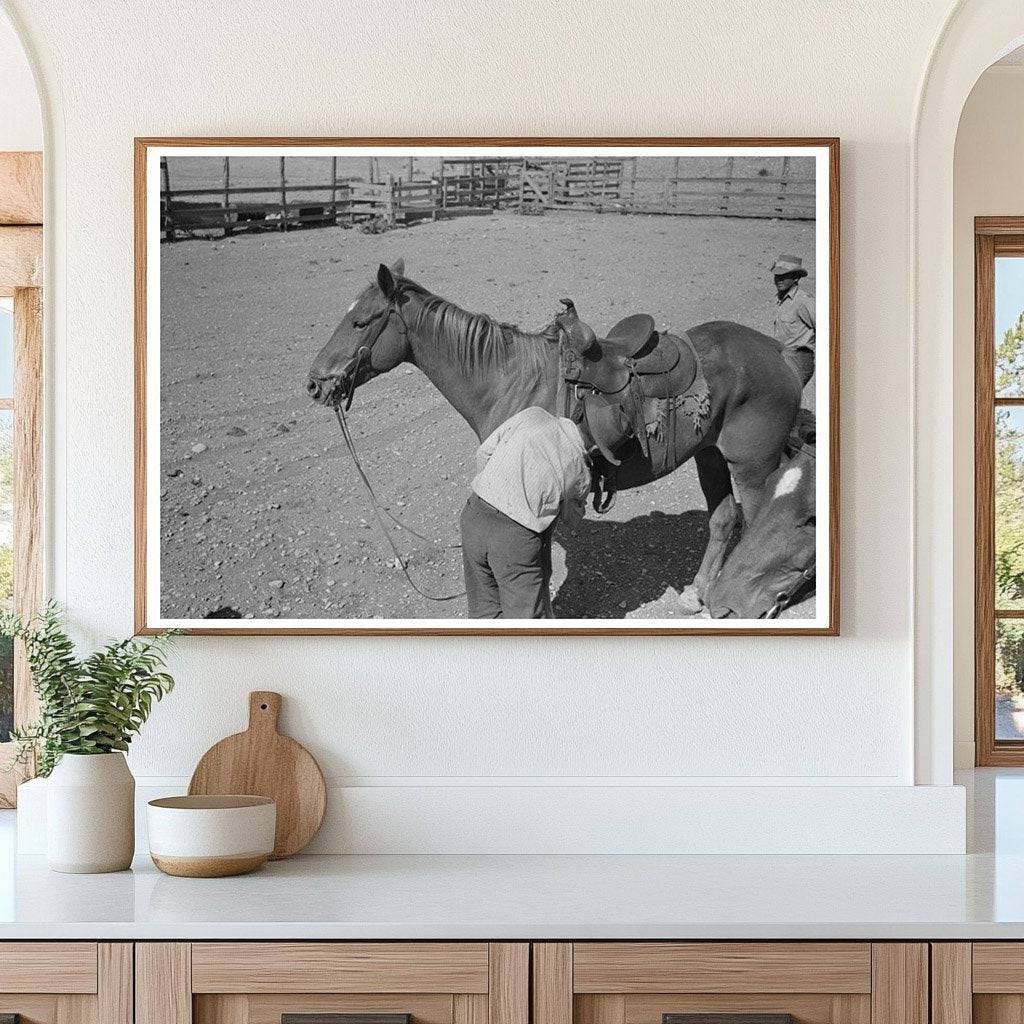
point(600, 819)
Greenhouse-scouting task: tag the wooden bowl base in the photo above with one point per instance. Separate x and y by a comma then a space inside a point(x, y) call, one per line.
point(209, 867)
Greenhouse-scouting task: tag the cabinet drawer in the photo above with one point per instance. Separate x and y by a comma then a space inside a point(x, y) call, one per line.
point(340, 967)
point(66, 982)
point(634, 967)
point(48, 967)
point(980, 982)
point(998, 967)
point(751, 982)
point(260, 982)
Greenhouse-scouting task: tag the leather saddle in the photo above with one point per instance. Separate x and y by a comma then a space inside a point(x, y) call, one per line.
point(612, 377)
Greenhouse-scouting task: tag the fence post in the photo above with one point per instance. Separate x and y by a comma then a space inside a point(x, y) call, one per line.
point(780, 206)
point(390, 208)
point(730, 165)
point(284, 200)
point(227, 196)
point(334, 190)
point(168, 215)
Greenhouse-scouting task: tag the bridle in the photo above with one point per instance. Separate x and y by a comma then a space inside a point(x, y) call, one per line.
point(350, 372)
point(342, 405)
point(784, 597)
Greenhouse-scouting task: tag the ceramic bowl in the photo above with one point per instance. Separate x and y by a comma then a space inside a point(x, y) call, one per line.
point(211, 836)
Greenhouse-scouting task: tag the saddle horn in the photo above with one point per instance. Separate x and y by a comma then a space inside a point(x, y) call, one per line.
point(579, 336)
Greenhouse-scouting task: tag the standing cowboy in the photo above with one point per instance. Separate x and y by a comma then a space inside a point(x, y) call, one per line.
point(794, 316)
point(530, 471)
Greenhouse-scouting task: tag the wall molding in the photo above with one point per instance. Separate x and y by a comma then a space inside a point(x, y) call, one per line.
point(599, 819)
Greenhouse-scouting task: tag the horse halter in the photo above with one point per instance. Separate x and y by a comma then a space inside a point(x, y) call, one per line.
point(351, 370)
point(784, 597)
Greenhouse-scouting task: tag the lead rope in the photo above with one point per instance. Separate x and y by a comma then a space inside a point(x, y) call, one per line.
point(379, 511)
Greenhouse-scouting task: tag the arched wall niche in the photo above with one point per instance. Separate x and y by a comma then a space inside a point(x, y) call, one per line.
point(975, 35)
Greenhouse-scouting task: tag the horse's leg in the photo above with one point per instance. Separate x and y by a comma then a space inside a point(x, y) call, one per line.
point(713, 474)
point(724, 524)
point(752, 441)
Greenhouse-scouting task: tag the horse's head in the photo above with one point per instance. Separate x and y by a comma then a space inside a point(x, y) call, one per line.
point(371, 339)
point(774, 560)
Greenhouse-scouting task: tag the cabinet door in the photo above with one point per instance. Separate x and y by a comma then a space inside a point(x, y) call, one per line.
point(980, 982)
point(315, 982)
point(747, 982)
point(66, 982)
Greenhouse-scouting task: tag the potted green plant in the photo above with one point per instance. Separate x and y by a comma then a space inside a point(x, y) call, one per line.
point(89, 710)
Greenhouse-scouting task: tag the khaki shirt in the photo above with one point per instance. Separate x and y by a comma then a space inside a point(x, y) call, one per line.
point(533, 467)
point(794, 319)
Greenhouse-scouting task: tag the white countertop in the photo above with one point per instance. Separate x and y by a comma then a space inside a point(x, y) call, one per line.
point(978, 896)
point(532, 897)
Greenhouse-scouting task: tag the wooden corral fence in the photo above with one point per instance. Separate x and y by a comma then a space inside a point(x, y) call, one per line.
point(281, 206)
point(462, 186)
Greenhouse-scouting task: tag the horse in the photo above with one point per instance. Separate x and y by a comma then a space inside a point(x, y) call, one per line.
point(489, 371)
point(774, 561)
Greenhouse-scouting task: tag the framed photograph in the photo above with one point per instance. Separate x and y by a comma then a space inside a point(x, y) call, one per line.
point(487, 386)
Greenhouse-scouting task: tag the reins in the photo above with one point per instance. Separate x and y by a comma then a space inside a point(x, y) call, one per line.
point(377, 507)
point(380, 511)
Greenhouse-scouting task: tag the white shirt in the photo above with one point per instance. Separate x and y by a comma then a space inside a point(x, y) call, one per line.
point(533, 467)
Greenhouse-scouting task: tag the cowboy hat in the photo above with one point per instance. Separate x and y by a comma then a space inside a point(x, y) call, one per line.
point(789, 266)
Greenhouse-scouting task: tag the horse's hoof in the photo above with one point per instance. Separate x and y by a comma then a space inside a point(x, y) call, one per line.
point(690, 602)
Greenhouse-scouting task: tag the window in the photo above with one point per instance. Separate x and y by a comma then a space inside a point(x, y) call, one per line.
point(21, 374)
point(21, 353)
point(999, 490)
point(6, 510)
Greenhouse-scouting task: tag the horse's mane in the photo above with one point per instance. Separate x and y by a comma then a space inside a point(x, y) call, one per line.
point(477, 340)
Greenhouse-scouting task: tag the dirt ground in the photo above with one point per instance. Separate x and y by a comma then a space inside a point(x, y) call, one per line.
point(261, 509)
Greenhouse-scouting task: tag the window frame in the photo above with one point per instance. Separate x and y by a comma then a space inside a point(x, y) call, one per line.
point(21, 259)
point(993, 237)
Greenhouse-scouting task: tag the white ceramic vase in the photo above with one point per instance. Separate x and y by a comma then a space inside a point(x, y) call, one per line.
point(90, 814)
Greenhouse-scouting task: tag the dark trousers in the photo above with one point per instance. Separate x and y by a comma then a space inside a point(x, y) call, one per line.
point(802, 361)
point(507, 566)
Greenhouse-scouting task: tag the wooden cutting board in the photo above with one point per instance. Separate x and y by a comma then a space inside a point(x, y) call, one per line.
point(262, 762)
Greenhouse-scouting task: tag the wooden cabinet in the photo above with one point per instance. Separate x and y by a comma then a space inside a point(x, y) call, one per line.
point(979, 982)
point(259, 982)
point(815, 982)
point(66, 982)
point(494, 983)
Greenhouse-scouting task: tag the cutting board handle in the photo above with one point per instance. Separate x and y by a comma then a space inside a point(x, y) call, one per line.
point(264, 710)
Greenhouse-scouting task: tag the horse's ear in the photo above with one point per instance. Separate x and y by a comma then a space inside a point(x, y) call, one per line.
point(386, 281)
point(398, 268)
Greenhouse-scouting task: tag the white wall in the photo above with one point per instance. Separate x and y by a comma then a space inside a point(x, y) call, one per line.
point(21, 125)
point(988, 181)
point(400, 713)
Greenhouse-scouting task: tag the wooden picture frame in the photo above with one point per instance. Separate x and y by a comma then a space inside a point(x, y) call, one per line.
point(151, 220)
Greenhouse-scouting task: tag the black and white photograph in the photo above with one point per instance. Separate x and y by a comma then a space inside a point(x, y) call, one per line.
point(576, 387)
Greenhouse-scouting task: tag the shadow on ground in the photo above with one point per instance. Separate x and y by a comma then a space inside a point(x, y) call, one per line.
point(614, 568)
